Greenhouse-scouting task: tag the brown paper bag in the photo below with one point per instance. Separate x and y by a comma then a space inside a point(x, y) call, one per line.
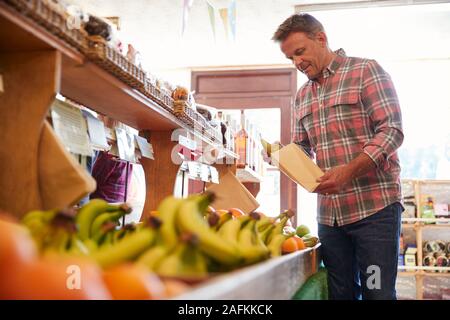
point(231, 193)
point(293, 162)
point(63, 182)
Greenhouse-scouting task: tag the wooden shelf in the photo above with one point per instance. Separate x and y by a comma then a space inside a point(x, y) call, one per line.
point(248, 175)
point(274, 279)
point(86, 83)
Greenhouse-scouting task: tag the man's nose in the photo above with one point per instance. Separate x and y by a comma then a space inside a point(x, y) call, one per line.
point(297, 61)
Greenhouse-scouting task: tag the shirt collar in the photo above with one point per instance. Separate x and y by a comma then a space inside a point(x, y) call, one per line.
point(334, 64)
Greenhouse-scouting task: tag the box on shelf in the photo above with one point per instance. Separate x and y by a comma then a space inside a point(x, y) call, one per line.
point(410, 256)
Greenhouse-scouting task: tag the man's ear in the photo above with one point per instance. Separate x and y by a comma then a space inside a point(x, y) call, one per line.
point(322, 38)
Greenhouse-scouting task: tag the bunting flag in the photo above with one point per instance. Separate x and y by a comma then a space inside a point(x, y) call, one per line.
point(227, 12)
point(232, 18)
point(187, 5)
point(224, 15)
point(212, 18)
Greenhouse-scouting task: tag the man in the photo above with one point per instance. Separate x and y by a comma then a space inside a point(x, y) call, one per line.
point(348, 115)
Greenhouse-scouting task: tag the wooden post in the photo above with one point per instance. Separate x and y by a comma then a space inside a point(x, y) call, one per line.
point(161, 173)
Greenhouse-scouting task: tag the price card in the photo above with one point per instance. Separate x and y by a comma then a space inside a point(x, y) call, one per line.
point(187, 142)
point(97, 132)
point(125, 144)
point(194, 170)
point(145, 147)
point(70, 126)
point(205, 172)
point(214, 174)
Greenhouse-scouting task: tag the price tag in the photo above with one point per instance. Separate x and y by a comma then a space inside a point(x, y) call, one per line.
point(187, 142)
point(145, 147)
point(125, 144)
point(205, 172)
point(194, 171)
point(214, 174)
point(97, 133)
point(70, 126)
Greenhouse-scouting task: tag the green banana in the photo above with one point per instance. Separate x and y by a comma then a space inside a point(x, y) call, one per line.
point(152, 257)
point(90, 245)
point(87, 214)
point(185, 261)
point(168, 210)
point(190, 219)
point(103, 218)
point(126, 249)
point(276, 243)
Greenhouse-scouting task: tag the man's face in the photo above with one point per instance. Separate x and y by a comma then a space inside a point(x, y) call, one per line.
point(306, 54)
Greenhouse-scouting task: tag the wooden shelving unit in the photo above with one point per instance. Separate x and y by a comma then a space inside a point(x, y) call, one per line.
point(418, 225)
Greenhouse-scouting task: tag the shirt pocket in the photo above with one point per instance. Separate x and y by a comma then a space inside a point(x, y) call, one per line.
point(305, 117)
point(346, 116)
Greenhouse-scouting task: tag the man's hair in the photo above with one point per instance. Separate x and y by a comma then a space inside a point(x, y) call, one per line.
point(301, 22)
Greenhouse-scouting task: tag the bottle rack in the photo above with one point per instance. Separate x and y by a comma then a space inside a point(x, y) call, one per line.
point(418, 226)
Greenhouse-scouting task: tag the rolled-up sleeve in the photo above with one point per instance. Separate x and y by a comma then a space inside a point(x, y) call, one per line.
point(381, 104)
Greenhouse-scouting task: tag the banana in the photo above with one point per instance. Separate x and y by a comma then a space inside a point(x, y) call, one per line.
point(168, 210)
point(310, 241)
point(90, 245)
point(275, 244)
point(126, 249)
point(213, 220)
point(280, 225)
point(104, 218)
point(190, 219)
point(105, 235)
point(185, 261)
point(152, 257)
point(89, 212)
point(230, 230)
point(250, 247)
point(77, 247)
point(264, 222)
point(265, 233)
point(223, 219)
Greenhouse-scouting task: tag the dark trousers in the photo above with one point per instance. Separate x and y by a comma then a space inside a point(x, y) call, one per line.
point(362, 257)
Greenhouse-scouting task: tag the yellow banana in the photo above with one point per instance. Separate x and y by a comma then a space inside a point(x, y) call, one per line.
point(126, 249)
point(87, 214)
point(280, 225)
point(104, 218)
point(168, 210)
point(229, 231)
point(190, 219)
point(223, 219)
point(276, 243)
point(152, 257)
point(249, 246)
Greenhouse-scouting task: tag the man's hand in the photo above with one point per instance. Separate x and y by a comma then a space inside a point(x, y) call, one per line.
point(334, 180)
point(337, 178)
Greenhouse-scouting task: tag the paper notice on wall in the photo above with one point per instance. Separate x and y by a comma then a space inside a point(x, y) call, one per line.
point(70, 126)
point(214, 174)
point(194, 169)
point(204, 172)
point(187, 142)
point(145, 147)
point(125, 144)
point(97, 133)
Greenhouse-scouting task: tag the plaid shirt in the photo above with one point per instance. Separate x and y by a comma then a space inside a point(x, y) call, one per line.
point(354, 110)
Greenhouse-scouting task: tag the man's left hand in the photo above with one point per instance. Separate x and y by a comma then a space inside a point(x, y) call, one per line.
point(334, 180)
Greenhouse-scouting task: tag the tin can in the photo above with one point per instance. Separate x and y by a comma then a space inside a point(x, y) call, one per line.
point(431, 247)
point(429, 260)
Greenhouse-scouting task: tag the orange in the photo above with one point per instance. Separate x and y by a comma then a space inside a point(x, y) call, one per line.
point(289, 245)
point(236, 212)
point(133, 282)
point(300, 243)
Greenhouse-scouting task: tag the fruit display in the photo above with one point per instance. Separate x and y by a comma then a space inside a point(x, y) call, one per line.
point(185, 241)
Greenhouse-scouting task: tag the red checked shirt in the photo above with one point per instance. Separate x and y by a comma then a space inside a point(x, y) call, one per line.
point(354, 110)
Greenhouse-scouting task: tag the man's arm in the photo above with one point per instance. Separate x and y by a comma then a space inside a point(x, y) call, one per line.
point(381, 103)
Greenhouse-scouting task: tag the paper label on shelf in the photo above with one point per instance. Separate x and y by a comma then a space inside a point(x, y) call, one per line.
point(125, 144)
point(187, 142)
point(214, 174)
point(205, 172)
point(70, 126)
point(145, 147)
point(97, 133)
point(194, 170)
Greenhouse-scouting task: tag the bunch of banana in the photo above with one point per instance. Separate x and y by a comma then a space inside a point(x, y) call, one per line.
point(276, 243)
point(310, 240)
point(251, 246)
point(190, 220)
point(186, 260)
point(284, 217)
